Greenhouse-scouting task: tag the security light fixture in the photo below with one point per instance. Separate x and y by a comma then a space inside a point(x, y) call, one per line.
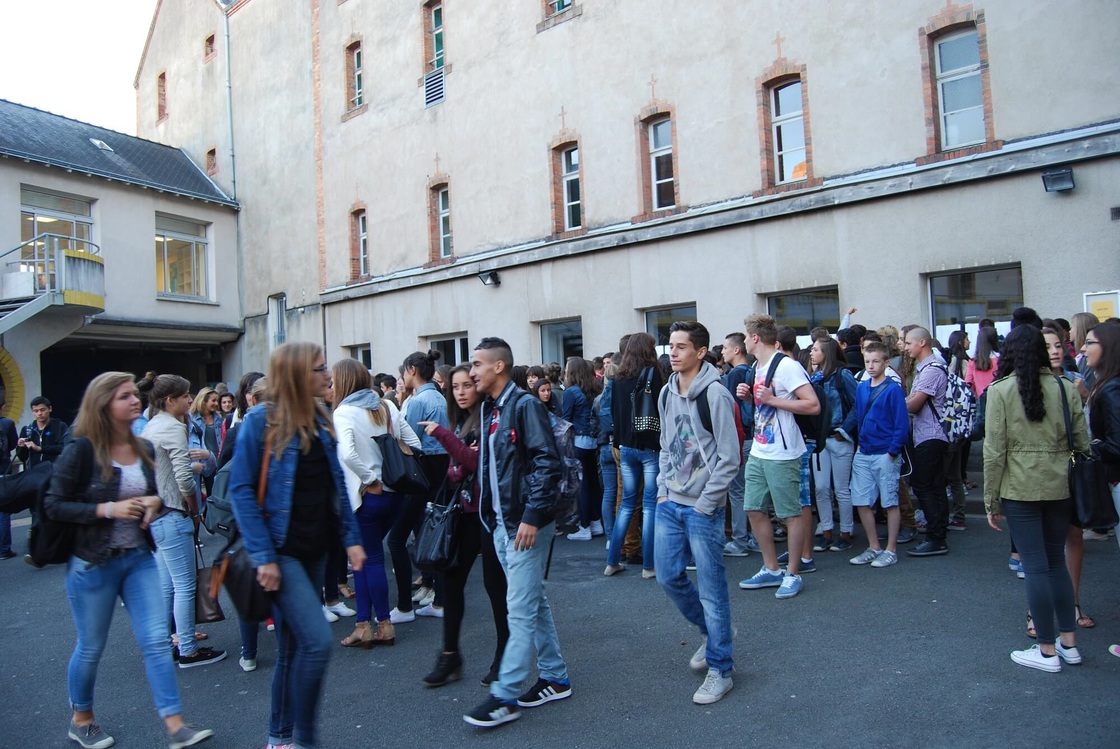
point(490, 278)
point(1058, 180)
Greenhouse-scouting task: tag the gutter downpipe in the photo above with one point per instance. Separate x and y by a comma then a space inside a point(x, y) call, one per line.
point(224, 9)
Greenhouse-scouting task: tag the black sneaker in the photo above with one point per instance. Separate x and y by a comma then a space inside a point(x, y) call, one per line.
point(201, 657)
point(491, 676)
point(9, 554)
point(929, 548)
point(544, 691)
point(493, 712)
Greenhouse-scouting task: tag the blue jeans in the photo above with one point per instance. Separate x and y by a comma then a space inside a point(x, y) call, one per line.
point(302, 654)
point(5, 532)
point(174, 537)
point(375, 516)
point(635, 462)
point(705, 603)
point(93, 591)
point(530, 618)
point(608, 470)
point(736, 495)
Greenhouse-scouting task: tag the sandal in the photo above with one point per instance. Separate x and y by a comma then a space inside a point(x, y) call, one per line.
point(1031, 633)
point(345, 591)
point(1085, 622)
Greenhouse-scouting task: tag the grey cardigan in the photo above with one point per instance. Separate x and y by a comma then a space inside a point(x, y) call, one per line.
point(174, 476)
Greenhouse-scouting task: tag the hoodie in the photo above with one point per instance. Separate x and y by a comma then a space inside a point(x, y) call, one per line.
point(358, 453)
point(696, 467)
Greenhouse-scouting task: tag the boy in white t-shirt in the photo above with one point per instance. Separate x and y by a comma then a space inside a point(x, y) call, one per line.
point(773, 476)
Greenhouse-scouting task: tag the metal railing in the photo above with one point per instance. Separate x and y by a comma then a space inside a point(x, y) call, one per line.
point(42, 256)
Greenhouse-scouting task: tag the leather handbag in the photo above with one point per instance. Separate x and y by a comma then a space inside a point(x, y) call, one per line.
point(207, 609)
point(235, 569)
point(1087, 483)
point(436, 546)
point(400, 467)
point(643, 405)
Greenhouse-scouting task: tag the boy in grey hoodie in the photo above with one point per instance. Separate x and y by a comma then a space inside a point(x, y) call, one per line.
point(699, 456)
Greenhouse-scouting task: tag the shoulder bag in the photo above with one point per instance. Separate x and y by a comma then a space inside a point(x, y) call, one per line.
point(206, 607)
point(400, 467)
point(1087, 483)
point(235, 569)
point(436, 546)
point(643, 405)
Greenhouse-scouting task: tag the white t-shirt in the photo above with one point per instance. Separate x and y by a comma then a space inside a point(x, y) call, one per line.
point(776, 435)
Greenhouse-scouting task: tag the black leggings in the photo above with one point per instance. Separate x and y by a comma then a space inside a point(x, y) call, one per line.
point(1040, 529)
point(473, 540)
point(407, 522)
point(590, 493)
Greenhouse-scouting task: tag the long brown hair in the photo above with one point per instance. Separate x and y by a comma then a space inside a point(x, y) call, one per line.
point(166, 386)
point(1108, 338)
point(294, 411)
point(466, 421)
point(95, 424)
point(639, 352)
point(349, 377)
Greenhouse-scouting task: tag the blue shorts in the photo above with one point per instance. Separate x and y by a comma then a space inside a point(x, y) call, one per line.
point(875, 477)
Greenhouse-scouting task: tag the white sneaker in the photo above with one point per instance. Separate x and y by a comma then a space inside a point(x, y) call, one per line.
point(396, 616)
point(430, 610)
point(699, 660)
point(247, 664)
point(1072, 656)
point(422, 592)
point(330, 615)
point(886, 559)
point(341, 609)
point(713, 689)
point(1032, 657)
point(596, 527)
point(428, 599)
point(583, 534)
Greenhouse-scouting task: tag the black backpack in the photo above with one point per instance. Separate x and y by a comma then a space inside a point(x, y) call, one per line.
point(814, 428)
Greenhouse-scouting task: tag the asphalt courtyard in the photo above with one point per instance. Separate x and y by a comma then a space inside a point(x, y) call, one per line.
point(914, 655)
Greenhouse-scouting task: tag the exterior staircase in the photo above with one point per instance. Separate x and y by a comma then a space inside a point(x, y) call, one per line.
point(47, 271)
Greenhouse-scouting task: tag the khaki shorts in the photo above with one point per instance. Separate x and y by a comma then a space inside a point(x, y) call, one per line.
point(776, 482)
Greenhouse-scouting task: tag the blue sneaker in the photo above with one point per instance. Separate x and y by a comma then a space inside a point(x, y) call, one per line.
point(1013, 564)
point(806, 567)
point(842, 544)
point(822, 543)
point(783, 558)
point(791, 586)
point(764, 578)
point(752, 545)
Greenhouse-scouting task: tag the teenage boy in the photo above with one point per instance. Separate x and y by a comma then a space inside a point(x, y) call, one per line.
point(697, 463)
point(519, 482)
point(884, 427)
point(927, 479)
point(735, 356)
point(780, 389)
point(42, 440)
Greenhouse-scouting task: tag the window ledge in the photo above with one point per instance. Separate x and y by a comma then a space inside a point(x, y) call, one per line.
point(801, 184)
point(569, 233)
point(956, 153)
point(450, 260)
point(186, 299)
point(574, 11)
point(446, 72)
point(660, 213)
point(161, 120)
point(351, 114)
point(209, 57)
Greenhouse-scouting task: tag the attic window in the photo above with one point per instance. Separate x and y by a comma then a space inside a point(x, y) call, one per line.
point(101, 144)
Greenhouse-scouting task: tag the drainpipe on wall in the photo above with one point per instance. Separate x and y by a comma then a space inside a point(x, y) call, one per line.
point(229, 105)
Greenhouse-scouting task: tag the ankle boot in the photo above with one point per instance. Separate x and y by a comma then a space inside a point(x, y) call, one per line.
point(386, 634)
point(449, 667)
point(362, 637)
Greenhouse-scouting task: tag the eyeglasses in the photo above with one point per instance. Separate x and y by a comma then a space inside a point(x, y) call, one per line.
point(1092, 343)
point(321, 370)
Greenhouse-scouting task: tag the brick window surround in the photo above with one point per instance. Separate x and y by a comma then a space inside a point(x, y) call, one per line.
point(161, 97)
point(355, 99)
point(952, 19)
point(780, 74)
point(551, 17)
point(212, 161)
point(566, 140)
point(436, 184)
point(430, 62)
point(357, 211)
point(209, 49)
point(655, 112)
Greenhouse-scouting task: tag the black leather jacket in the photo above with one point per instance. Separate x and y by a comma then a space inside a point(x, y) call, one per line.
point(77, 488)
point(1104, 424)
point(527, 460)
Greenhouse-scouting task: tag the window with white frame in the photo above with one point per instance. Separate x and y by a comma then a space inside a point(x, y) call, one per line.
point(805, 310)
point(363, 353)
point(959, 301)
point(661, 164)
point(355, 64)
point(960, 93)
point(569, 165)
point(48, 221)
point(788, 126)
point(363, 243)
point(453, 349)
point(277, 320)
point(562, 339)
point(437, 36)
point(658, 321)
point(443, 209)
point(181, 258)
point(558, 6)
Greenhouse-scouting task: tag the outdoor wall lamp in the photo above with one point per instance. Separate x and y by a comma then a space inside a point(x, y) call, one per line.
point(490, 278)
point(1059, 180)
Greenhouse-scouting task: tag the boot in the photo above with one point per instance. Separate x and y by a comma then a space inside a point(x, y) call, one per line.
point(385, 634)
point(362, 637)
point(449, 667)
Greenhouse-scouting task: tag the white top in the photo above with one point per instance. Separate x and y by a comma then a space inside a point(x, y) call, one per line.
point(776, 435)
point(358, 451)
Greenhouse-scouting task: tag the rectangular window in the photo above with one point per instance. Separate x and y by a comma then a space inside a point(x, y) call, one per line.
point(453, 349)
point(437, 36)
point(558, 6)
point(443, 206)
point(277, 319)
point(208, 48)
point(363, 243)
point(362, 353)
point(960, 94)
point(569, 164)
point(181, 262)
point(212, 161)
point(964, 299)
point(659, 320)
point(661, 164)
point(161, 96)
point(49, 221)
point(789, 133)
point(356, 99)
point(805, 310)
point(559, 340)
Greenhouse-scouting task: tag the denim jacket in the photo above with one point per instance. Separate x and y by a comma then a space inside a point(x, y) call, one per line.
point(265, 532)
point(427, 404)
point(841, 380)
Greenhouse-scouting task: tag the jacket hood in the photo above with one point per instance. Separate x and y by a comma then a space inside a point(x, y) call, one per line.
point(706, 376)
point(366, 399)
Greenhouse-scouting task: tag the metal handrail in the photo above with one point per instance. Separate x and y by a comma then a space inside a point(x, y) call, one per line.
point(45, 259)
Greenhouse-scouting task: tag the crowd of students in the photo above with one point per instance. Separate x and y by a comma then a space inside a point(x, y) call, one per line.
point(856, 422)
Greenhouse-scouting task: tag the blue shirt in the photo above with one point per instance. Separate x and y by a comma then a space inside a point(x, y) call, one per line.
point(427, 404)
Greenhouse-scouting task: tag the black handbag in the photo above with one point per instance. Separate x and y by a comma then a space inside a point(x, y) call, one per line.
point(400, 470)
point(207, 610)
point(1087, 483)
point(217, 513)
point(643, 405)
point(235, 569)
point(51, 541)
point(437, 542)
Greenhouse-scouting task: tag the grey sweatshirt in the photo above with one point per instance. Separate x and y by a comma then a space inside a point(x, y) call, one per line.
point(697, 467)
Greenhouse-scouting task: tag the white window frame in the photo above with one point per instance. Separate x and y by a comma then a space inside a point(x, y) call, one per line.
point(197, 241)
point(363, 244)
point(548, 330)
point(443, 226)
point(945, 77)
point(569, 176)
point(363, 352)
point(559, 6)
point(437, 36)
point(356, 61)
point(780, 120)
point(460, 348)
point(277, 320)
point(654, 153)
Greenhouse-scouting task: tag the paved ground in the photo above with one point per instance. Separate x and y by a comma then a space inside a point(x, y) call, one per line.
point(914, 655)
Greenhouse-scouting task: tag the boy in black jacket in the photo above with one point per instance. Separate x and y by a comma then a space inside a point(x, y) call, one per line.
point(43, 439)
